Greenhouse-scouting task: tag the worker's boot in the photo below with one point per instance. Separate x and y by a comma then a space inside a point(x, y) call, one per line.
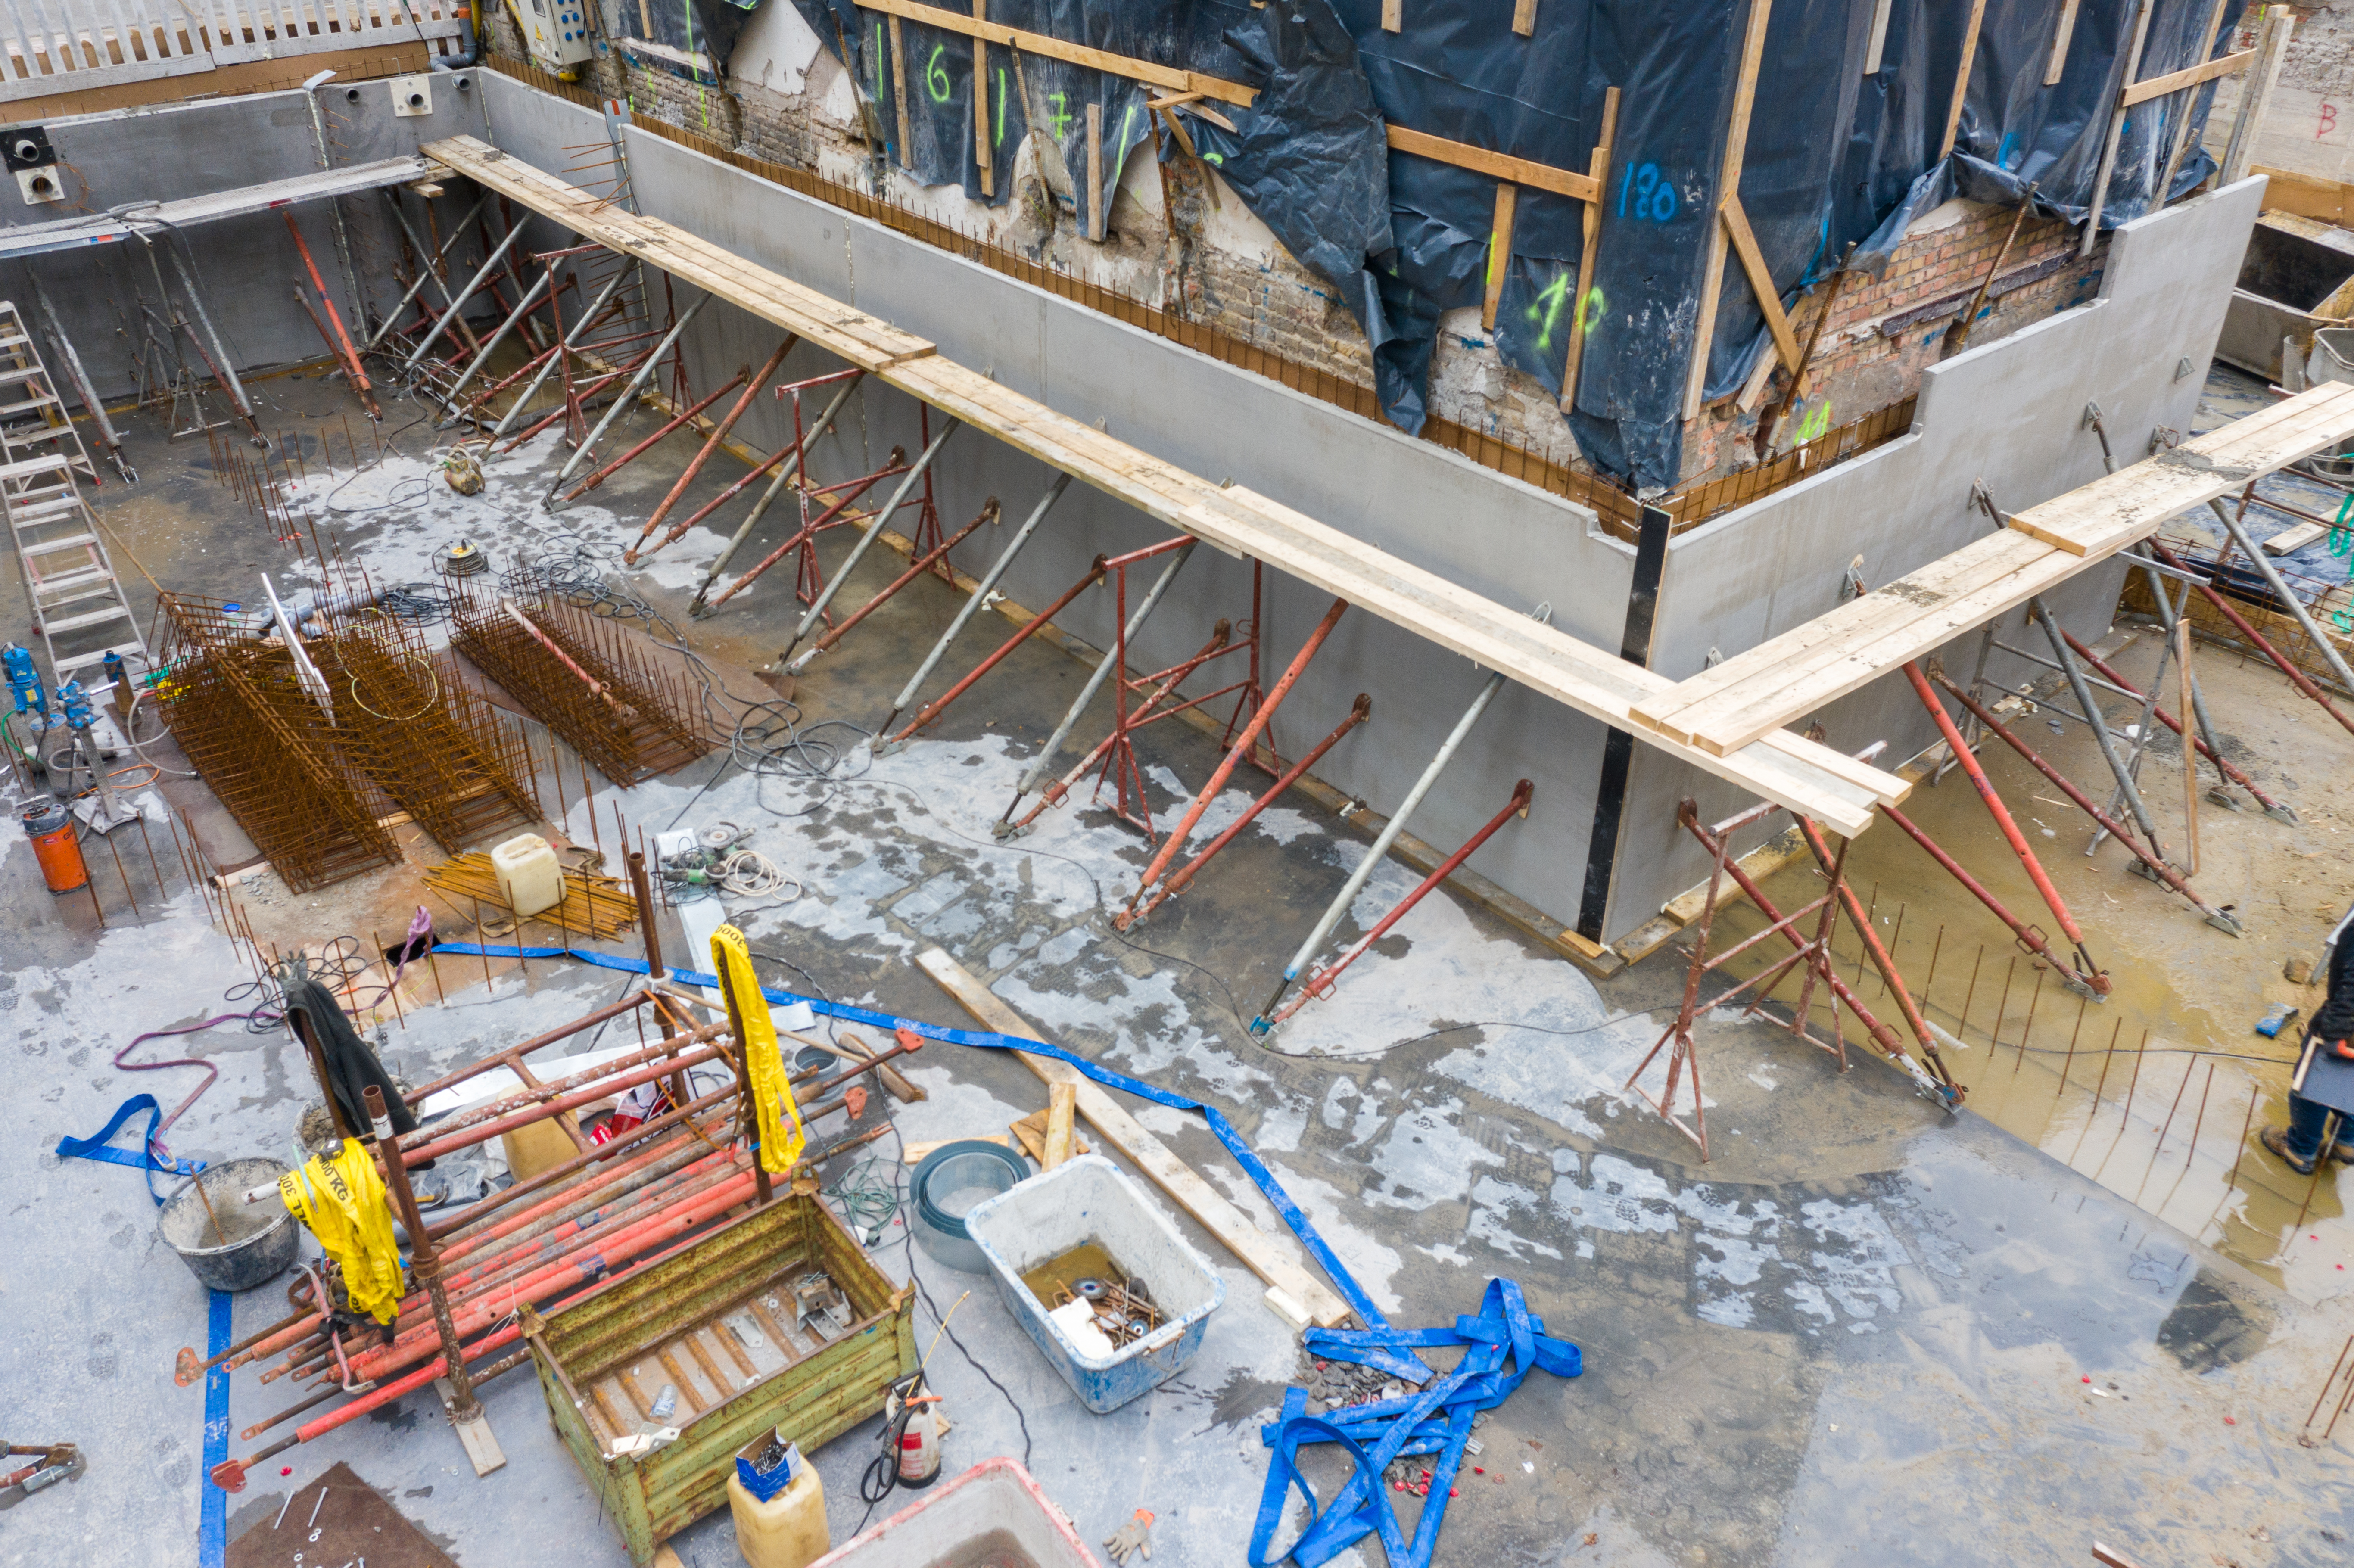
point(2342, 1153)
point(2276, 1139)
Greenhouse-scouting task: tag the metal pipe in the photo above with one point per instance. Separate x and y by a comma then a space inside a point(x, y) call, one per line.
point(637, 1141)
point(2224, 766)
point(916, 568)
point(630, 393)
point(590, 320)
point(857, 551)
point(978, 597)
point(107, 434)
point(1260, 718)
point(2095, 985)
point(336, 211)
point(851, 492)
point(711, 443)
point(223, 369)
point(683, 418)
point(458, 301)
point(2257, 639)
point(350, 356)
point(940, 704)
point(1890, 979)
point(2096, 723)
point(784, 477)
point(422, 1263)
point(1321, 981)
point(1102, 673)
point(428, 259)
point(515, 318)
point(2209, 743)
point(1381, 847)
point(2296, 607)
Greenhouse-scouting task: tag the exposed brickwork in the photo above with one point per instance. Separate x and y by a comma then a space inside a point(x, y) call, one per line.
point(1177, 244)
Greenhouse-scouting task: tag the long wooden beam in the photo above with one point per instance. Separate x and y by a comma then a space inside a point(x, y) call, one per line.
point(1785, 768)
point(2188, 76)
point(1791, 676)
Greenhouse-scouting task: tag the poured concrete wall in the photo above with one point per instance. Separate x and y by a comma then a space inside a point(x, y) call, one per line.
point(1491, 534)
point(248, 267)
point(2008, 412)
point(2011, 413)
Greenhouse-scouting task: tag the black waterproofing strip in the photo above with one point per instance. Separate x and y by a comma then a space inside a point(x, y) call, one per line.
point(1836, 163)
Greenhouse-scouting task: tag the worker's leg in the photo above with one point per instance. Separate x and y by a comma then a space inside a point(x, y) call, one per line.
point(2300, 1143)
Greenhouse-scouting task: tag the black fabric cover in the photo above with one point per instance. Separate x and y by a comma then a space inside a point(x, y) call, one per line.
point(1837, 163)
point(351, 1065)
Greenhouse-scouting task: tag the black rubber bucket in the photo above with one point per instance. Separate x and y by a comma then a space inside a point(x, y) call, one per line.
point(256, 1244)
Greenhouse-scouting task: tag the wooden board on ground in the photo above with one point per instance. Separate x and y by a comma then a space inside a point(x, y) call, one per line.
point(1234, 1230)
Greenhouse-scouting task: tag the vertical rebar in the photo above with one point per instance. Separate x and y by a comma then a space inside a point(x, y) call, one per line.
point(2081, 1003)
point(2106, 1058)
point(480, 946)
point(1970, 995)
point(2179, 1092)
point(2245, 1122)
point(2139, 1052)
point(1994, 1040)
point(2028, 1027)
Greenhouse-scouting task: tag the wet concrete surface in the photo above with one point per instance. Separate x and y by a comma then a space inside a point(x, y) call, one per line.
point(1865, 1331)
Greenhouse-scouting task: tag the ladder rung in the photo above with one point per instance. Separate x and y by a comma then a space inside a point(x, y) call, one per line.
point(43, 547)
point(68, 586)
point(59, 666)
point(95, 618)
point(31, 466)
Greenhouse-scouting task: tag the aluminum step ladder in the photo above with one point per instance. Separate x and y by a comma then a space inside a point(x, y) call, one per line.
point(77, 603)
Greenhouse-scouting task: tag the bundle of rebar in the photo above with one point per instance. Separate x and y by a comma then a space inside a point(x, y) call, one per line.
point(578, 674)
point(592, 904)
point(434, 746)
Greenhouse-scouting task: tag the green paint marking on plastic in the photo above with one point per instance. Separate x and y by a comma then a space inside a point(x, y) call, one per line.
point(937, 80)
point(1001, 102)
point(1546, 310)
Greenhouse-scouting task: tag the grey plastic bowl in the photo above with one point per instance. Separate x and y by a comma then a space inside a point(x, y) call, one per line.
point(952, 1181)
point(263, 1238)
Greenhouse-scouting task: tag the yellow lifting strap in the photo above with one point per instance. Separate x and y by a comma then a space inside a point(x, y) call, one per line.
point(755, 1035)
point(342, 1203)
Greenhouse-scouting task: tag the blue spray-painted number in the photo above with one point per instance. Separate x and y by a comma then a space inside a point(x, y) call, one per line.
point(1653, 197)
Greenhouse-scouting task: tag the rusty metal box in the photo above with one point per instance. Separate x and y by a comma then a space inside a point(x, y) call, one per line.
point(720, 1323)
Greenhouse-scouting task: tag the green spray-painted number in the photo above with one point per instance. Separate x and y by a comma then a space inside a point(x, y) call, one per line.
point(935, 80)
point(878, 62)
point(1060, 120)
point(1590, 309)
point(1816, 425)
point(1002, 104)
point(1544, 312)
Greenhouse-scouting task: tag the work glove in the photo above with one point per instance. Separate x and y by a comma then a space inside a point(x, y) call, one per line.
point(1135, 1536)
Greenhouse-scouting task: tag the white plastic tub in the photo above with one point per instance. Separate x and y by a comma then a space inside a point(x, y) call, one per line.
point(1087, 1200)
point(993, 1516)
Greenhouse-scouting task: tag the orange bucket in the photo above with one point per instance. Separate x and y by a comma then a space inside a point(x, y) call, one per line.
point(55, 845)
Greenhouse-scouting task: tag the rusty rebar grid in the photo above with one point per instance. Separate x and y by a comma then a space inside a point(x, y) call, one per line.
point(579, 675)
point(435, 746)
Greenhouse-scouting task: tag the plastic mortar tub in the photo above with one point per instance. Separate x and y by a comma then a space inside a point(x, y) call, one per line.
point(255, 1244)
point(993, 1516)
point(1087, 1200)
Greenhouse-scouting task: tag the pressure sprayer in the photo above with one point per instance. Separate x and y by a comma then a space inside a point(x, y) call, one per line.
point(911, 1441)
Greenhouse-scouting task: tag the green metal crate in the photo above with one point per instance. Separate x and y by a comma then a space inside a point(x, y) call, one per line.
point(593, 1352)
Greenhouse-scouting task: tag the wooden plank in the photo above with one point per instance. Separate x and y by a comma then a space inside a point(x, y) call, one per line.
point(1791, 771)
point(2294, 538)
point(1599, 169)
point(475, 1436)
point(1052, 48)
point(899, 93)
point(1524, 18)
point(1875, 47)
point(1062, 1104)
point(982, 156)
point(2061, 31)
point(1760, 281)
point(2325, 200)
point(2255, 93)
point(1962, 75)
point(1728, 187)
point(1499, 251)
point(1234, 1230)
point(1098, 210)
point(2117, 130)
point(1503, 165)
point(1393, 15)
point(1787, 677)
point(2189, 75)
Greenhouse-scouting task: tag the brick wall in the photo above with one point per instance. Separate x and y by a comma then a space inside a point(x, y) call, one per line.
point(1181, 241)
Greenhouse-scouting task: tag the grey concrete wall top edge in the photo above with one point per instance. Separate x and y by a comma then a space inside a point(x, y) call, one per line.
point(1148, 342)
point(1855, 469)
point(184, 106)
point(2126, 242)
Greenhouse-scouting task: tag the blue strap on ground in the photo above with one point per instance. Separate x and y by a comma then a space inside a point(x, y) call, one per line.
point(1503, 1343)
point(144, 1159)
point(1253, 1167)
point(212, 1515)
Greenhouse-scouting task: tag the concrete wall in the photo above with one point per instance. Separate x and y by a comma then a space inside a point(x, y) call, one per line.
point(248, 267)
point(1495, 535)
point(2011, 413)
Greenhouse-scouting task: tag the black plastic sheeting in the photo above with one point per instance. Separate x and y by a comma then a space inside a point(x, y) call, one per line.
point(1837, 166)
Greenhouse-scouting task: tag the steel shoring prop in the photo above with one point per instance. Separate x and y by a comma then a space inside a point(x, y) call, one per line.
point(224, 369)
point(2031, 938)
point(1320, 982)
point(646, 372)
point(1923, 1031)
point(2230, 773)
point(2168, 618)
point(712, 441)
point(978, 597)
point(591, 320)
point(2289, 601)
point(2085, 968)
point(1111, 660)
point(515, 319)
point(429, 260)
point(1096, 570)
point(1373, 857)
point(2099, 724)
point(215, 360)
point(2145, 730)
point(796, 465)
point(1158, 687)
point(683, 418)
point(458, 301)
point(1235, 752)
point(2256, 639)
point(834, 516)
point(816, 611)
point(108, 435)
point(575, 398)
point(349, 355)
point(916, 568)
point(2159, 870)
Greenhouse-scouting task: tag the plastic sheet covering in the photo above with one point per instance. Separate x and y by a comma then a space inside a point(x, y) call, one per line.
point(1839, 163)
point(695, 37)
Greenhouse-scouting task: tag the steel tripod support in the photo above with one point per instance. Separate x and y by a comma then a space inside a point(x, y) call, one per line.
point(1321, 981)
point(711, 443)
point(2074, 675)
point(795, 461)
point(569, 343)
point(1373, 856)
point(2030, 939)
point(2256, 639)
point(805, 539)
point(1968, 761)
point(2158, 868)
point(1241, 747)
point(2205, 741)
point(683, 418)
point(644, 373)
point(1925, 1034)
point(979, 598)
point(817, 609)
point(916, 568)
